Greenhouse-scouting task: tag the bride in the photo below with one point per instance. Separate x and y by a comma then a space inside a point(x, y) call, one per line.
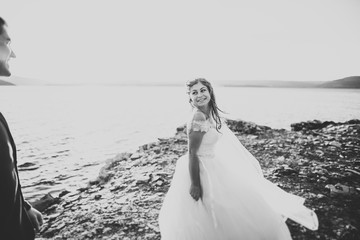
point(218, 191)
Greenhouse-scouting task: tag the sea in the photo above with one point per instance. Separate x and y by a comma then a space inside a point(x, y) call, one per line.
point(65, 134)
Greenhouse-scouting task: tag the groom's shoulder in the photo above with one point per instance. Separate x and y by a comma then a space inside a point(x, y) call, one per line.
point(3, 134)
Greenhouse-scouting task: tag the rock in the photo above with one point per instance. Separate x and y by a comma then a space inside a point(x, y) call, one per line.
point(323, 179)
point(311, 125)
point(157, 150)
point(320, 195)
point(63, 193)
point(181, 128)
point(45, 202)
point(106, 230)
point(246, 127)
point(353, 121)
point(321, 171)
point(303, 162)
point(319, 153)
point(135, 156)
point(28, 166)
point(141, 179)
point(335, 144)
point(353, 171)
point(284, 170)
point(340, 189)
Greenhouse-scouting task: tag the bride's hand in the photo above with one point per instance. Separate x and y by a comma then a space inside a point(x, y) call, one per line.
point(196, 192)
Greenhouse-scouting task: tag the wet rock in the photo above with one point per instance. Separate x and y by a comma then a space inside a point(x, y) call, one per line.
point(284, 170)
point(353, 121)
point(246, 127)
point(28, 166)
point(335, 143)
point(340, 189)
point(181, 128)
point(45, 202)
point(157, 150)
point(310, 125)
point(135, 156)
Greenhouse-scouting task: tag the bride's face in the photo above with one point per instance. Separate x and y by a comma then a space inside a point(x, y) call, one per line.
point(199, 95)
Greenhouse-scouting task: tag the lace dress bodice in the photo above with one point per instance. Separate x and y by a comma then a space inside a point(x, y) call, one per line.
point(210, 137)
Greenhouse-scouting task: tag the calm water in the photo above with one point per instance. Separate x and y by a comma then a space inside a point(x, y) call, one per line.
point(69, 132)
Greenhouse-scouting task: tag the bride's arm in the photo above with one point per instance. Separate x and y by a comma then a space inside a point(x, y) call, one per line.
point(195, 137)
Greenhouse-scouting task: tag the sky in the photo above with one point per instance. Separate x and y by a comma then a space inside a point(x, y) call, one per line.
point(116, 41)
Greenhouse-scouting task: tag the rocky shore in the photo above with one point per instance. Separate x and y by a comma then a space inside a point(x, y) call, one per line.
point(317, 160)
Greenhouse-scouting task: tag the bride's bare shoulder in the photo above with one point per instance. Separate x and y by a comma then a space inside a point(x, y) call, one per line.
point(198, 116)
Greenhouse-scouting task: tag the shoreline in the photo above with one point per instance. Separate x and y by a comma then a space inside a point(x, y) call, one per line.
point(316, 160)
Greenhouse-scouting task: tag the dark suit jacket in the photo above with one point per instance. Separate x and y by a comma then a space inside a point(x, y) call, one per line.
point(14, 221)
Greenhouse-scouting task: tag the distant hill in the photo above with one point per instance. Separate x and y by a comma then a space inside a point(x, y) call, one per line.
point(272, 83)
point(5, 83)
point(348, 82)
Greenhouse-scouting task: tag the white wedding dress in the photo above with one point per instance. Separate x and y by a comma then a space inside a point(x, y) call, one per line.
point(237, 203)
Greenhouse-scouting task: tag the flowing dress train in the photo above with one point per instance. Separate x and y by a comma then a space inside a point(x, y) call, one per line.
point(237, 203)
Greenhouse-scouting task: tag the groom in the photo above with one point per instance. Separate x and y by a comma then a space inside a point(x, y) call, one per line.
point(17, 218)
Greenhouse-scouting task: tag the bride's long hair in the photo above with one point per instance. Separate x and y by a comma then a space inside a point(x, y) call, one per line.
point(214, 109)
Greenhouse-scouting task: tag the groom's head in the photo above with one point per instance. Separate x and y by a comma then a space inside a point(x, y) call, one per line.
point(5, 50)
